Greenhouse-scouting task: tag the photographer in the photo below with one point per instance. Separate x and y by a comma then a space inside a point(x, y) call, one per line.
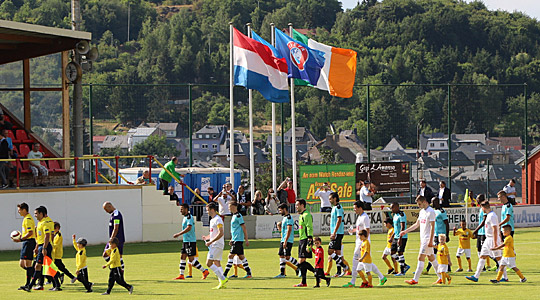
point(271, 203)
point(287, 186)
point(223, 199)
point(324, 194)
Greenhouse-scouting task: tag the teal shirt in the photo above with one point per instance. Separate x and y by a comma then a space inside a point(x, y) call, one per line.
point(237, 233)
point(508, 209)
point(481, 216)
point(171, 167)
point(398, 219)
point(305, 225)
point(440, 216)
point(287, 220)
point(337, 211)
point(189, 237)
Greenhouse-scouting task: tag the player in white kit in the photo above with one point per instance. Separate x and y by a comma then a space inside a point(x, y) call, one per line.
point(215, 242)
point(362, 223)
point(426, 222)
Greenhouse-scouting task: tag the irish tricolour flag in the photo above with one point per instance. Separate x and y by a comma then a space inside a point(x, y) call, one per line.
point(338, 73)
point(256, 67)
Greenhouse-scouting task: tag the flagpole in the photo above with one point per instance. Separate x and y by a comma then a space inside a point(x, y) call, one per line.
point(293, 129)
point(251, 153)
point(231, 108)
point(274, 144)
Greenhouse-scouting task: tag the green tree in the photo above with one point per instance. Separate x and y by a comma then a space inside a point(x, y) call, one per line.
point(154, 145)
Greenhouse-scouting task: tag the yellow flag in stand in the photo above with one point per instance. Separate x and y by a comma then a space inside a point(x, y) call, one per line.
point(467, 200)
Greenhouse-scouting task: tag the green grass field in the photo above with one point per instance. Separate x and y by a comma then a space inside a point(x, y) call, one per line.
point(151, 266)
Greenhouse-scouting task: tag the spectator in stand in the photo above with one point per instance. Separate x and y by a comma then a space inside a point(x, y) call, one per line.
point(444, 195)
point(271, 203)
point(366, 194)
point(510, 191)
point(425, 190)
point(196, 200)
point(3, 123)
point(324, 194)
point(173, 196)
point(257, 207)
point(4, 154)
point(35, 165)
point(223, 199)
point(229, 188)
point(165, 178)
point(211, 194)
point(287, 185)
point(12, 154)
point(243, 199)
point(144, 179)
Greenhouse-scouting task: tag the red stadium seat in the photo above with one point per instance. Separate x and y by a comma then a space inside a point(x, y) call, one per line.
point(24, 150)
point(11, 136)
point(22, 136)
point(54, 165)
point(26, 167)
point(6, 118)
point(44, 163)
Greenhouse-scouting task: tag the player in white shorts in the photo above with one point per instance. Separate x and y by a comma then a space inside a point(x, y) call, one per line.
point(362, 223)
point(426, 222)
point(491, 228)
point(215, 242)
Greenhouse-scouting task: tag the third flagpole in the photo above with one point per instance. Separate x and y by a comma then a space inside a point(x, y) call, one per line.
point(251, 153)
point(293, 129)
point(231, 109)
point(274, 146)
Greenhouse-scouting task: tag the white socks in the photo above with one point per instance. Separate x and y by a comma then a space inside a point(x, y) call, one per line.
point(355, 271)
point(480, 267)
point(218, 271)
point(419, 269)
point(376, 271)
point(435, 265)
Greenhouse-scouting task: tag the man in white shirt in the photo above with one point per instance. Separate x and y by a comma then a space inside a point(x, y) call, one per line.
point(511, 191)
point(426, 222)
point(324, 194)
point(362, 223)
point(366, 194)
point(223, 199)
point(491, 229)
point(35, 165)
point(215, 242)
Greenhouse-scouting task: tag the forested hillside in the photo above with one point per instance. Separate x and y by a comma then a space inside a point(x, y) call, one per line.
point(398, 41)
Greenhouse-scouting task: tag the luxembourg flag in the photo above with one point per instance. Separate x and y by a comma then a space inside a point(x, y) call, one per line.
point(256, 67)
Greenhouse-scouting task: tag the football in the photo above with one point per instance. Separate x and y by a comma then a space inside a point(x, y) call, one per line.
point(15, 235)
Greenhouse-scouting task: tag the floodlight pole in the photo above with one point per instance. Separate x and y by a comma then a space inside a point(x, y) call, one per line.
point(78, 131)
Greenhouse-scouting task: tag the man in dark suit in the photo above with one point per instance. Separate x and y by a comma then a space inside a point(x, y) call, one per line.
point(425, 190)
point(444, 195)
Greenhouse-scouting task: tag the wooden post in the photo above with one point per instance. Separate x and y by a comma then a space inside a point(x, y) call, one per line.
point(66, 152)
point(26, 92)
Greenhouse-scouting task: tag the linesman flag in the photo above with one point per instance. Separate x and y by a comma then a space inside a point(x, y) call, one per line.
point(339, 70)
point(256, 67)
point(303, 62)
point(49, 268)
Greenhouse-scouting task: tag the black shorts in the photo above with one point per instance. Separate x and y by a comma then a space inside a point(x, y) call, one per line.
point(398, 248)
point(285, 252)
point(189, 248)
point(40, 257)
point(326, 209)
point(303, 251)
point(480, 238)
point(367, 206)
point(237, 248)
point(336, 244)
point(27, 250)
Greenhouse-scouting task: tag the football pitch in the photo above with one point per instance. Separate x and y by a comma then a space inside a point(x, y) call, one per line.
point(150, 267)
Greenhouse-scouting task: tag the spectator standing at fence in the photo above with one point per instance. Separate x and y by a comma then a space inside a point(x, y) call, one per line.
point(271, 203)
point(172, 195)
point(144, 179)
point(35, 165)
point(425, 190)
point(223, 199)
point(257, 205)
point(211, 194)
point(164, 176)
point(195, 199)
point(444, 195)
point(4, 154)
point(243, 199)
point(324, 194)
point(366, 194)
point(287, 186)
point(511, 193)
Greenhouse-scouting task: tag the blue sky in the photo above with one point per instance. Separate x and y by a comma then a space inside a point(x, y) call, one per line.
point(529, 7)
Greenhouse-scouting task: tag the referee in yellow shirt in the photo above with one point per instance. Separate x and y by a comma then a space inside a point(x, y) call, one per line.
point(28, 239)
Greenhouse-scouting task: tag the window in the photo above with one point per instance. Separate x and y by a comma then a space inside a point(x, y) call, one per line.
point(204, 146)
point(207, 136)
point(432, 144)
point(200, 136)
point(196, 146)
point(442, 144)
point(214, 146)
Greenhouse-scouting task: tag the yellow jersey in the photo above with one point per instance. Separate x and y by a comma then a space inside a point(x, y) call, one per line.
point(80, 257)
point(464, 238)
point(27, 226)
point(366, 249)
point(114, 262)
point(58, 250)
point(390, 238)
point(442, 254)
point(46, 225)
point(508, 250)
